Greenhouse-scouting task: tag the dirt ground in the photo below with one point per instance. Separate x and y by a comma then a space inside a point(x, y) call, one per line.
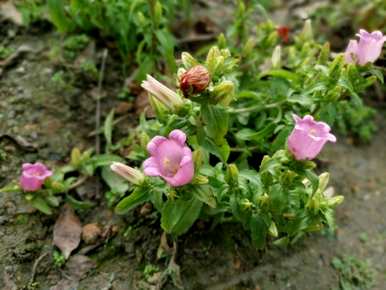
point(51, 120)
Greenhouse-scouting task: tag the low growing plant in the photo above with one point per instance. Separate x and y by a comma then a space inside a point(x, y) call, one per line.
point(139, 29)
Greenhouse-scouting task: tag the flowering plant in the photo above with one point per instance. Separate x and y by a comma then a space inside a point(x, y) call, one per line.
point(196, 164)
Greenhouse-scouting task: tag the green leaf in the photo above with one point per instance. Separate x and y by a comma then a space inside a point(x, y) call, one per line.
point(12, 187)
point(216, 119)
point(281, 73)
point(179, 215)
point(108, 129)
point(258, 231)
point(114, 181)
point(105, 159)
point(40, 204)
point(57, 14)
point(205, 194)
point(137, 197)
point(79, 204)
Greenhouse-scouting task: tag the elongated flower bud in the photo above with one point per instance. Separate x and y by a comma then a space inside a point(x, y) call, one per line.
point(129, 173)
point(188, 60)
point(162, 93)
point(276, 57)
point(195, 80)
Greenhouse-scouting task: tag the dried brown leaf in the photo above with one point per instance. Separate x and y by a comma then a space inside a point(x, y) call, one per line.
point(67, 231)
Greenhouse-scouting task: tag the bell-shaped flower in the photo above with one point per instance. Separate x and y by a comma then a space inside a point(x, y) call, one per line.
point(170, 159)
point(162, 93)
point(308, 137)
point(367, 49)
point(33, 176)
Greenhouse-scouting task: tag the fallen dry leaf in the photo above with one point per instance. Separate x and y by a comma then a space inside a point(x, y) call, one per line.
point(9, 11)
point(67, 231)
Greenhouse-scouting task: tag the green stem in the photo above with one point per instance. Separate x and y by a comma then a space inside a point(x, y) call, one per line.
point(256, 108)
point(238, 149)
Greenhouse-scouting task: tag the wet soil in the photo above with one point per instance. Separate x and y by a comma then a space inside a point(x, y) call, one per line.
point(54, 120)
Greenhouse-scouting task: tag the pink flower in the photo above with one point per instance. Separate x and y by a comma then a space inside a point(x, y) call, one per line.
point(170, 159)
point(33, 176)
point(308, 137)
point(368, 49)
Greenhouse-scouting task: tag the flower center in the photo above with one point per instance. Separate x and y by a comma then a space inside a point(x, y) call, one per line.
point(169, 166)
point(313, 132)
point(35, 173)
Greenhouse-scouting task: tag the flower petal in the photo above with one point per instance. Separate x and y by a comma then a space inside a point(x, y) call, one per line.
point(331, 138)
point(150, 167)
point(183, 176)
point(154, 143)
point(178, 136)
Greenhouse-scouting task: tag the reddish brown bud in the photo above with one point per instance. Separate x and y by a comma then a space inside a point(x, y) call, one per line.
point(283, 32)
point(195, 80)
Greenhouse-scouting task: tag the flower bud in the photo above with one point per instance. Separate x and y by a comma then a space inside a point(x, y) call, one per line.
point(336, 200)
point(188, 60)
point(223, 93)
point(307, 32)
point(162, 93)
point(323, 181)
point(195, 80)
point(276, 57)
point(200, 179)
point(232, 174)
point(283, 32)
point(129, 173)
point(246, 203)
point(214, 59)
point(273, 230)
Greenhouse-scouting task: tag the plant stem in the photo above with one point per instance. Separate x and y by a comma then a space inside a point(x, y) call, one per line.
point(98, 102)
point(256, 108)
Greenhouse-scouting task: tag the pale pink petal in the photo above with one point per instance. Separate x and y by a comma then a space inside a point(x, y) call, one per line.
point(150, 167)
point(331, 138)
point(308, 138)
point(179, 136)
point(350, 54)
point(183, 176)
point(154, 143)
